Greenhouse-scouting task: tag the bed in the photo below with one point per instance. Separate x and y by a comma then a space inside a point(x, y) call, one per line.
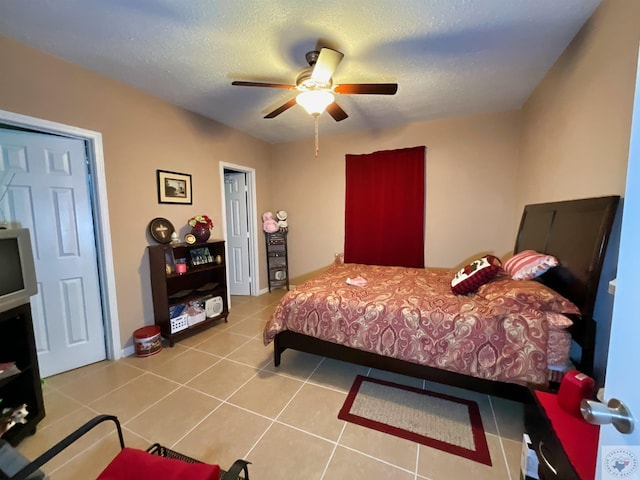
point(493, 341)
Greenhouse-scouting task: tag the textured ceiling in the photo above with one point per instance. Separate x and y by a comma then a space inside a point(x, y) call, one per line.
point(449, 57)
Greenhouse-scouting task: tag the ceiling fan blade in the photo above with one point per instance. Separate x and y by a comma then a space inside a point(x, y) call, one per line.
point(261, 84)
point(367, 88)
point(281, 109)
point(326, 64)
point(336, 112)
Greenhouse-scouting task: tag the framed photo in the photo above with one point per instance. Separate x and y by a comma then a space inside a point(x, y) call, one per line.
point(200, 256)
point(174, 187)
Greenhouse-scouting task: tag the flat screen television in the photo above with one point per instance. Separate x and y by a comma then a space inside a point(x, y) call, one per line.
point(17, 271)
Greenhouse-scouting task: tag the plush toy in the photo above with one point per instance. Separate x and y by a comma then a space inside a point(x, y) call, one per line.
point(12, 416)
point(281, 215)
point(269, 223)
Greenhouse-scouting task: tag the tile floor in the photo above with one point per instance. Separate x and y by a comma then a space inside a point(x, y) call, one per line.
point(216, 396)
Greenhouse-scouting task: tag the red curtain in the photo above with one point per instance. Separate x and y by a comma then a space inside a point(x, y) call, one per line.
point(384, 208)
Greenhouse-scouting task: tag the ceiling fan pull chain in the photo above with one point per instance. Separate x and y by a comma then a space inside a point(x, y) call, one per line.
point(317, 147)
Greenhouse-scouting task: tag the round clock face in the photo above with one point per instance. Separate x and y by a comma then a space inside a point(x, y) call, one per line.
point(190, 239)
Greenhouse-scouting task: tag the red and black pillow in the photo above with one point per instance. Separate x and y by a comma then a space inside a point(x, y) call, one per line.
point(477, 273)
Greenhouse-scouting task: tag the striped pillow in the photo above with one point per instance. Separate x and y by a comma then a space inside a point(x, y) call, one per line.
point(529, 264)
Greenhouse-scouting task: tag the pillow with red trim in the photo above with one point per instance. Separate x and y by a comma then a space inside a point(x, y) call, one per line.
point(477, 273)
point(529, 264)
point(558, 321)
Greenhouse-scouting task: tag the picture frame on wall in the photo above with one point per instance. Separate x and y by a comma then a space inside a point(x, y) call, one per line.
point(174, 187)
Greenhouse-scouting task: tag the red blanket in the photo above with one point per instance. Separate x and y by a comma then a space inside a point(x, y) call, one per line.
point(411, 314)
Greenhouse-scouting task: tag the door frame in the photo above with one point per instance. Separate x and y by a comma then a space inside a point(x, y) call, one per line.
point(100, 208)
point(252, 208)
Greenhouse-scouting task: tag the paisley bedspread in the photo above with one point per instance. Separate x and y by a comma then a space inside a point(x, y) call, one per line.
point(411, 314)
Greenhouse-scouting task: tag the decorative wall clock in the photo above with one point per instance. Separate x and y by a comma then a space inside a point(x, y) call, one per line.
point(161, 230)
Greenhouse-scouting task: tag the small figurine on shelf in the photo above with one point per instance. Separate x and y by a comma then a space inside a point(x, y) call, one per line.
point(283, 225)
point(269, 223)
point(12, 416)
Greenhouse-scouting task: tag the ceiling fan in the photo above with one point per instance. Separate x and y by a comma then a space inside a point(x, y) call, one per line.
point(316, 88)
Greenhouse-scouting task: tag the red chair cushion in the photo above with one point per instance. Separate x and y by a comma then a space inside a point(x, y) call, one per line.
point(133, 464)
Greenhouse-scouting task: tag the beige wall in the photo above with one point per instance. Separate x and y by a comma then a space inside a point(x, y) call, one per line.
point(576, 124)
point(576, 127)
point(470, 177)
point(140, 134)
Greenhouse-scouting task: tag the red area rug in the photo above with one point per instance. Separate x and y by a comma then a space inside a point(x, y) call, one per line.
point(440, 421)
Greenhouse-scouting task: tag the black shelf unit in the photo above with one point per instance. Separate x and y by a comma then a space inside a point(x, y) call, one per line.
point(205, 278)
point(277, 259)
point(17, 344)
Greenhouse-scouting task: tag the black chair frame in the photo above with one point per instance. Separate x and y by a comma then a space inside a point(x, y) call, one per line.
point(238, 467)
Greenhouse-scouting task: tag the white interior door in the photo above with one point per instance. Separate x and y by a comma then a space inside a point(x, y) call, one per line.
point(235, 185)
point(619, 454)
point(49, 195)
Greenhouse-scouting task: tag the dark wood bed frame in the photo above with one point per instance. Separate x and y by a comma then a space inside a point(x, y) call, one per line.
point(574, 231)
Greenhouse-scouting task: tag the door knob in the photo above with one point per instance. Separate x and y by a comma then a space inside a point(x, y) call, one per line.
point(614, 412)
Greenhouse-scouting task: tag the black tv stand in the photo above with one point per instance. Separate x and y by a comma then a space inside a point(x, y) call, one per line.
point(17, 344)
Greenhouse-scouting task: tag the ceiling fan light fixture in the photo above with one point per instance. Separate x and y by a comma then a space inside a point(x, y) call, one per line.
point(315, 101)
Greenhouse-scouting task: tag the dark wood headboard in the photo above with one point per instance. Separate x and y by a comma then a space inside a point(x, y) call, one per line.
point(577, 233)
